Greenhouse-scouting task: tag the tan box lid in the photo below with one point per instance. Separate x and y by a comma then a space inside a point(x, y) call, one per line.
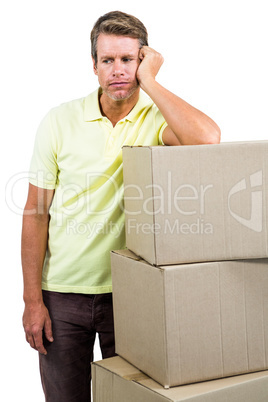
point(115, 380)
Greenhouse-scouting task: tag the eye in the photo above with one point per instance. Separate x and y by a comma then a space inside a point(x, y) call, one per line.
point(126, 59)
point(107, 61)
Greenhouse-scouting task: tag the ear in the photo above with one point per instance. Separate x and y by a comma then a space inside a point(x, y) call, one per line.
point(95, 69)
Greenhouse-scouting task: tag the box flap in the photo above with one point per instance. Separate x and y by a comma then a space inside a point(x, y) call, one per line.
point(127, 253)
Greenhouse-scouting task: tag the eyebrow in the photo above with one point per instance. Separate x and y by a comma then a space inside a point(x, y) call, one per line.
point(128, 55)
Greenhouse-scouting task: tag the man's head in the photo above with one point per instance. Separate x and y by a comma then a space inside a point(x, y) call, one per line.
point(121, 24)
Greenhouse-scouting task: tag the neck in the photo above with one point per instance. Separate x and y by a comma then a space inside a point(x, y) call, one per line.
point(115, 110)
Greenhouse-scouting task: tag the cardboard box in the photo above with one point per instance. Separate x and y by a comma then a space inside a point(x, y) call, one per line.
point(197, 203)
point(115, 380)
point(188, 323)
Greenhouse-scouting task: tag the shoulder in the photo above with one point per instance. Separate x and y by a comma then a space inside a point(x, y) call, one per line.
point(67, 110)
point(58, 120)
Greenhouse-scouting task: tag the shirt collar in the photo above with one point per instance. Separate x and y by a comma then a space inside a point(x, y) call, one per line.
point(92, 109)
point(144, 101)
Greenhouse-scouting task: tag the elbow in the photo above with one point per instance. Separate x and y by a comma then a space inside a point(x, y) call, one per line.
point(212, 136)
point(214, 139)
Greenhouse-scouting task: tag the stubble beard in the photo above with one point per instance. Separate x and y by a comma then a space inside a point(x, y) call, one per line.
point(117, 96)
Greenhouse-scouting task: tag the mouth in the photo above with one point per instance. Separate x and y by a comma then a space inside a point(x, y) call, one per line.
point(119, 84)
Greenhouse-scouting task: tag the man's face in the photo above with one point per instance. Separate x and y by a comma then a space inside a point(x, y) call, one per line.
point(117, 64)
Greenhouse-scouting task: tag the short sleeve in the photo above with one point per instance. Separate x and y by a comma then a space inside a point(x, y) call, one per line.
point(44, 167)
point(160, 137)
point(160, 124)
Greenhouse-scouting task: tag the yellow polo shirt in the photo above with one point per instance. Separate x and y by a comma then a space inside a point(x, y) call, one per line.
point(78, 153)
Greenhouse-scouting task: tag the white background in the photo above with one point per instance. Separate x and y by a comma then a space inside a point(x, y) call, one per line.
point(215, 58)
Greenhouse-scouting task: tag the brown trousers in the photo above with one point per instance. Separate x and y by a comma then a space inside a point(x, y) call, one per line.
point(76, 318)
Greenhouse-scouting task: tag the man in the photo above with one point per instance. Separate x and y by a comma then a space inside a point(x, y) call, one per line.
point(74, 216)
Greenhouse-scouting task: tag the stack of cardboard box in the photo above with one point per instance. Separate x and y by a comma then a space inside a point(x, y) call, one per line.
point(191, 305)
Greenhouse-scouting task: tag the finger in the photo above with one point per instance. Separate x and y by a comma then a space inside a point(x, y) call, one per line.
point(48, 330)
point(37, 340)
point(29, 337)
point(36, 343)
point(30, 340)
point(143, 51)
point(39, 346)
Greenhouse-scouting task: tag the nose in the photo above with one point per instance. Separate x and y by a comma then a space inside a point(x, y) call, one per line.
point(118, 68)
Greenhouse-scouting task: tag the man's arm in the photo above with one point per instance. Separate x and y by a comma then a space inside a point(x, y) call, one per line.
point(34, 245)
point(186, 124)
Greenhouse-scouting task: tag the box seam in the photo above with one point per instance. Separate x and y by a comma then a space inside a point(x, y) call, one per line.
point(263, 208)
point(264, 331)
point(245, 310)
point(220, 301)
point(166, 337)
point(153, 194)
